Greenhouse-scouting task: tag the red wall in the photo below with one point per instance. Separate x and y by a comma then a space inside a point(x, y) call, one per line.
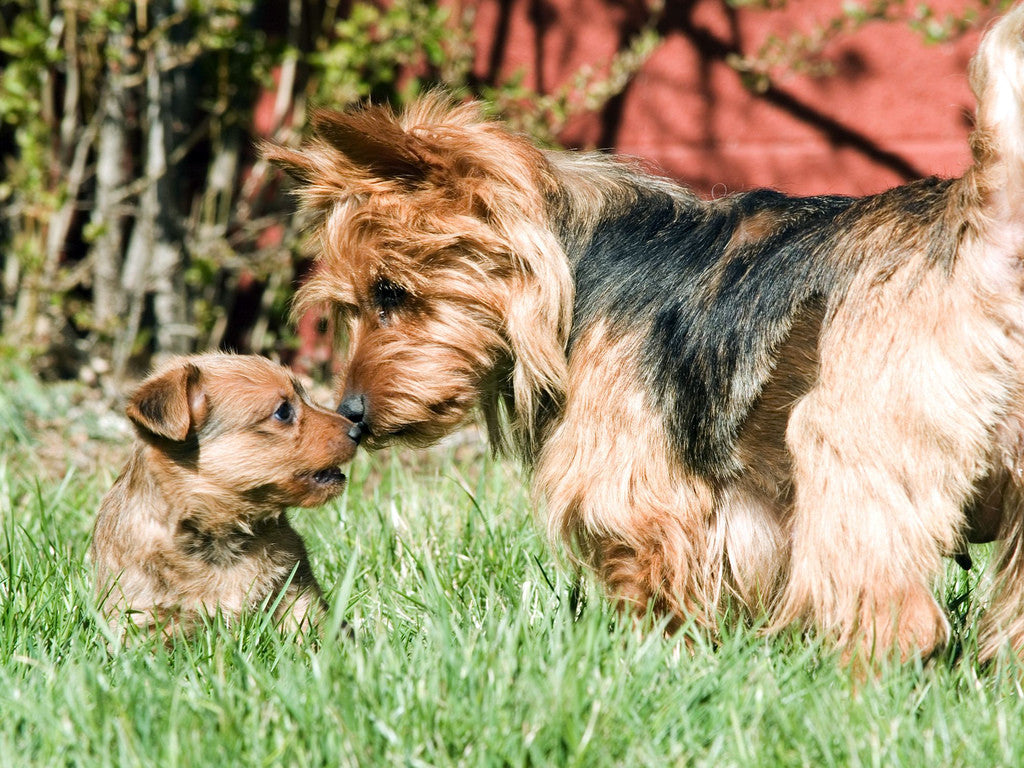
point(895, 109)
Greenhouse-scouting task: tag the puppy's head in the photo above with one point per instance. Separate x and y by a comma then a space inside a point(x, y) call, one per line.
point(241, 430)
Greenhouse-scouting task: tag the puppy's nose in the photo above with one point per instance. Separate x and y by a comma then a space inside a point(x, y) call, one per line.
point(353, 407)
point(355, 432)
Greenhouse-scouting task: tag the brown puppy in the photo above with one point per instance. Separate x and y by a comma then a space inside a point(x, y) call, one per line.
point(196, 521)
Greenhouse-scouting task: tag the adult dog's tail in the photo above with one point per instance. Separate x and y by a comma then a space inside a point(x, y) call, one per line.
point(997, 79)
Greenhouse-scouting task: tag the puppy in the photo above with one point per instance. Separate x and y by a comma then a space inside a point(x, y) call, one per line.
point(196, 522)
point(800, 405)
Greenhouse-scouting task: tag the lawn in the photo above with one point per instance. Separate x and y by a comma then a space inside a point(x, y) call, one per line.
point(468, 649)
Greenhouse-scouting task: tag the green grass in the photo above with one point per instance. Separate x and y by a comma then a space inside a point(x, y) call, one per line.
point(466, 649)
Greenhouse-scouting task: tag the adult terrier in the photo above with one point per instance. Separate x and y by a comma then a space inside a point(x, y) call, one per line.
point(801, 404)
point(196, 522)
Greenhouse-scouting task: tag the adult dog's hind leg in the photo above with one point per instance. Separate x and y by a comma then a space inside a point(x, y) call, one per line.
point(887, 450)
point(863, 558)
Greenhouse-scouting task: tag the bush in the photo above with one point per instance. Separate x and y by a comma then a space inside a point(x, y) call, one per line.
point(138, 219)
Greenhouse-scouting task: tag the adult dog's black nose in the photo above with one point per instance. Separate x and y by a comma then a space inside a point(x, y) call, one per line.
point(353, 408)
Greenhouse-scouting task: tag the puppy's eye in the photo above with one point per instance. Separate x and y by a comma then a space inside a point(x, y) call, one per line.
point(388, 296)
point(285, 413)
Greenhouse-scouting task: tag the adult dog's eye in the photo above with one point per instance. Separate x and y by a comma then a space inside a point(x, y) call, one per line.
point(388, 295)
point(285, 413)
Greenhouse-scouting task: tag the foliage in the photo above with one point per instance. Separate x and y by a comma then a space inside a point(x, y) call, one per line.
point(802, 52)
point(137, 219)
point(375, 46)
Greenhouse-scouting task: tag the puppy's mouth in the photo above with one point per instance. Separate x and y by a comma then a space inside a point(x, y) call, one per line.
point(328, 476)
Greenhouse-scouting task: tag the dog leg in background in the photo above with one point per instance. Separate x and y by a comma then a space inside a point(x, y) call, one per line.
point(301, 604)
point(1003, 620)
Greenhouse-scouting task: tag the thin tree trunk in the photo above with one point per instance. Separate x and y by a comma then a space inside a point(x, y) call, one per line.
point(171, 95)
point(156, 258)
point(109, 300)
point(136, 269)
point(213, 219)
point(11, 279)
point(23, 325)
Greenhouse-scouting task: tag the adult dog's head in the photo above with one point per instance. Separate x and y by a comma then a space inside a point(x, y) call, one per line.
point(435, 259)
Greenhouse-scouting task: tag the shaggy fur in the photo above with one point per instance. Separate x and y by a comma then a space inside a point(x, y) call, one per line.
point(798, 404)
point(196, 522)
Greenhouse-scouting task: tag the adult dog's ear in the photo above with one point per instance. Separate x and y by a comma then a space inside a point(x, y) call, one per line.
point(354, 152)
point(171, 404)
point(373, 140)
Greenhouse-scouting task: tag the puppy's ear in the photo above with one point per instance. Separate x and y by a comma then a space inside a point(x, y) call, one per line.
point(171, 404)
